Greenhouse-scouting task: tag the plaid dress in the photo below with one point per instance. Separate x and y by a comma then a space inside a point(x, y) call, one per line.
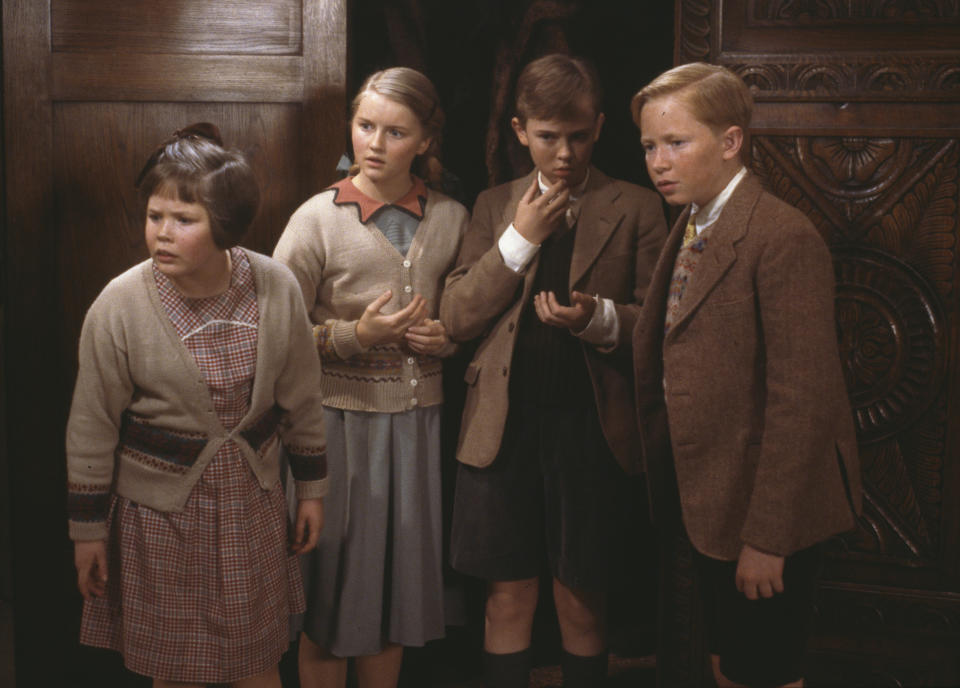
point(204, 595)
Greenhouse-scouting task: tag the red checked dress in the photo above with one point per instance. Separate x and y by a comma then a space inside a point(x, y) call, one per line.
point(204, 595)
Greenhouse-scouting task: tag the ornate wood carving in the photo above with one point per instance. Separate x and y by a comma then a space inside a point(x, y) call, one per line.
point(888, 207)
point(695, 31)
point(875, 11)
point(868, 78)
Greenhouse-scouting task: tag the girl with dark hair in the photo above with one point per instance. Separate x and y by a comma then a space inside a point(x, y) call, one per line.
point(194, 366)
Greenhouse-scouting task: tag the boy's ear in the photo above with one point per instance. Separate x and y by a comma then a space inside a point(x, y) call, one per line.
point(732, 142)
point(519, 130)
point(596, 131)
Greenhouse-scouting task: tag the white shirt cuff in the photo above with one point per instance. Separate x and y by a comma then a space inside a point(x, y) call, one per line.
point(603, 330)
point(516, 251)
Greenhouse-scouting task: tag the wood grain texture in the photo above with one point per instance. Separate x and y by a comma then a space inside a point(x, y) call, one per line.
point(854, 119)
point(324, 130)
point(100, 148)
point(264, 27)
point(186, 78)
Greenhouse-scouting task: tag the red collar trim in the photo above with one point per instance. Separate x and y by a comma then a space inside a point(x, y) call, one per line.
point(345, 193)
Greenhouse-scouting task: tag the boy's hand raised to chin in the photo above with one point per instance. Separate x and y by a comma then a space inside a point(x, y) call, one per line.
point(540, 214)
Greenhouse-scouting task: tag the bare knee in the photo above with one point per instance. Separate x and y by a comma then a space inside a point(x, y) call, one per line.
point(580, 610)
point(509, 615)
point(511, 602)
point(581, 615)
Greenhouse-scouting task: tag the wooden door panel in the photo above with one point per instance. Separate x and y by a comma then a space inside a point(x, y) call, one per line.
point(232, 27)
point(90, 88)
point(887, 207)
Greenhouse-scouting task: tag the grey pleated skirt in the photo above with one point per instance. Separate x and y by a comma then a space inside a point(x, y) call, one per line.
point(376, 575)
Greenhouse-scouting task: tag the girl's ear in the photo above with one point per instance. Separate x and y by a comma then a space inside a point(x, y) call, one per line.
point(424, 145)
point(519, 130)
point(732, 142)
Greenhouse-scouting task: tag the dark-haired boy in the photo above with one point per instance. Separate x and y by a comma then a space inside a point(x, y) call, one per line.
point(550, 277)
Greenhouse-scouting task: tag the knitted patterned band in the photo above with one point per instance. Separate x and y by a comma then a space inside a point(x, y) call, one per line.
point(198, 130)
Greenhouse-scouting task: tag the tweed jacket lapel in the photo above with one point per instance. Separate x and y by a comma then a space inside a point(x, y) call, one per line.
point(659, 288)
point(598, 215)
point(721, 250)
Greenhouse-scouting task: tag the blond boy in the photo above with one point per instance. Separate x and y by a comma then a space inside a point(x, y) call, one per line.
point(746, 426)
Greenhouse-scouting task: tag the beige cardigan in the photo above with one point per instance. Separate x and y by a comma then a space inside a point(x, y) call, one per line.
point(342, 265)
point(138, 385)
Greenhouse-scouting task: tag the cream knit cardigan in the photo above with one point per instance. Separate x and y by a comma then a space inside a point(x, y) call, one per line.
point(133, 363)
point(342, 265)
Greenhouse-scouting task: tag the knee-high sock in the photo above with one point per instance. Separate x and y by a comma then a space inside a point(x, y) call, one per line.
point(583, 672)
point(511, 670)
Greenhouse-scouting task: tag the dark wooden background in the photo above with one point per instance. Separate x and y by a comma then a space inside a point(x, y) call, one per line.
point(858, 124)
point(89, 89)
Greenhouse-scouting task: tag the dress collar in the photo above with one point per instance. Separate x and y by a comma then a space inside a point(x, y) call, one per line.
point(413, 202)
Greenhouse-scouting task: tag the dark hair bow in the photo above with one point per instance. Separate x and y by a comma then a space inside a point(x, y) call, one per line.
point(197, 130)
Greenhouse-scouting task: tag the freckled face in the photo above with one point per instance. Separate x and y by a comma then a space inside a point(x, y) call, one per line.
point(181, 244)
point(387, 136)
point(687, 160)
point(561, 148)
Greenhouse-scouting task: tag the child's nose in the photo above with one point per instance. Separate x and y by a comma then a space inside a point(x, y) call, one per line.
point(164, 229)
point(659, 160)
point(378, 138)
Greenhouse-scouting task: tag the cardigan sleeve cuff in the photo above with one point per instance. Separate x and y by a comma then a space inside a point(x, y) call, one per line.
point(87, 530)
point(312, 489)
point(345, 341)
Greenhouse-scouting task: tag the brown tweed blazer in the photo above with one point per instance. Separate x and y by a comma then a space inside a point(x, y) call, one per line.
point(745, 392)
point(620, 231)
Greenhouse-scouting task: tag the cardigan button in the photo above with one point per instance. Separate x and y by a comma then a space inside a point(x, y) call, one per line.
point(414, 382)
point(411, 360)
point(408, 289)
point(406, 263)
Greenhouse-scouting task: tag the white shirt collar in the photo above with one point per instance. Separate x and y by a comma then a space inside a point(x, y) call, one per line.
point(575, 194)
point(708, 214)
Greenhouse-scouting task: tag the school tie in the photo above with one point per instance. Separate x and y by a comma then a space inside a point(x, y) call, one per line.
point(690, 233)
